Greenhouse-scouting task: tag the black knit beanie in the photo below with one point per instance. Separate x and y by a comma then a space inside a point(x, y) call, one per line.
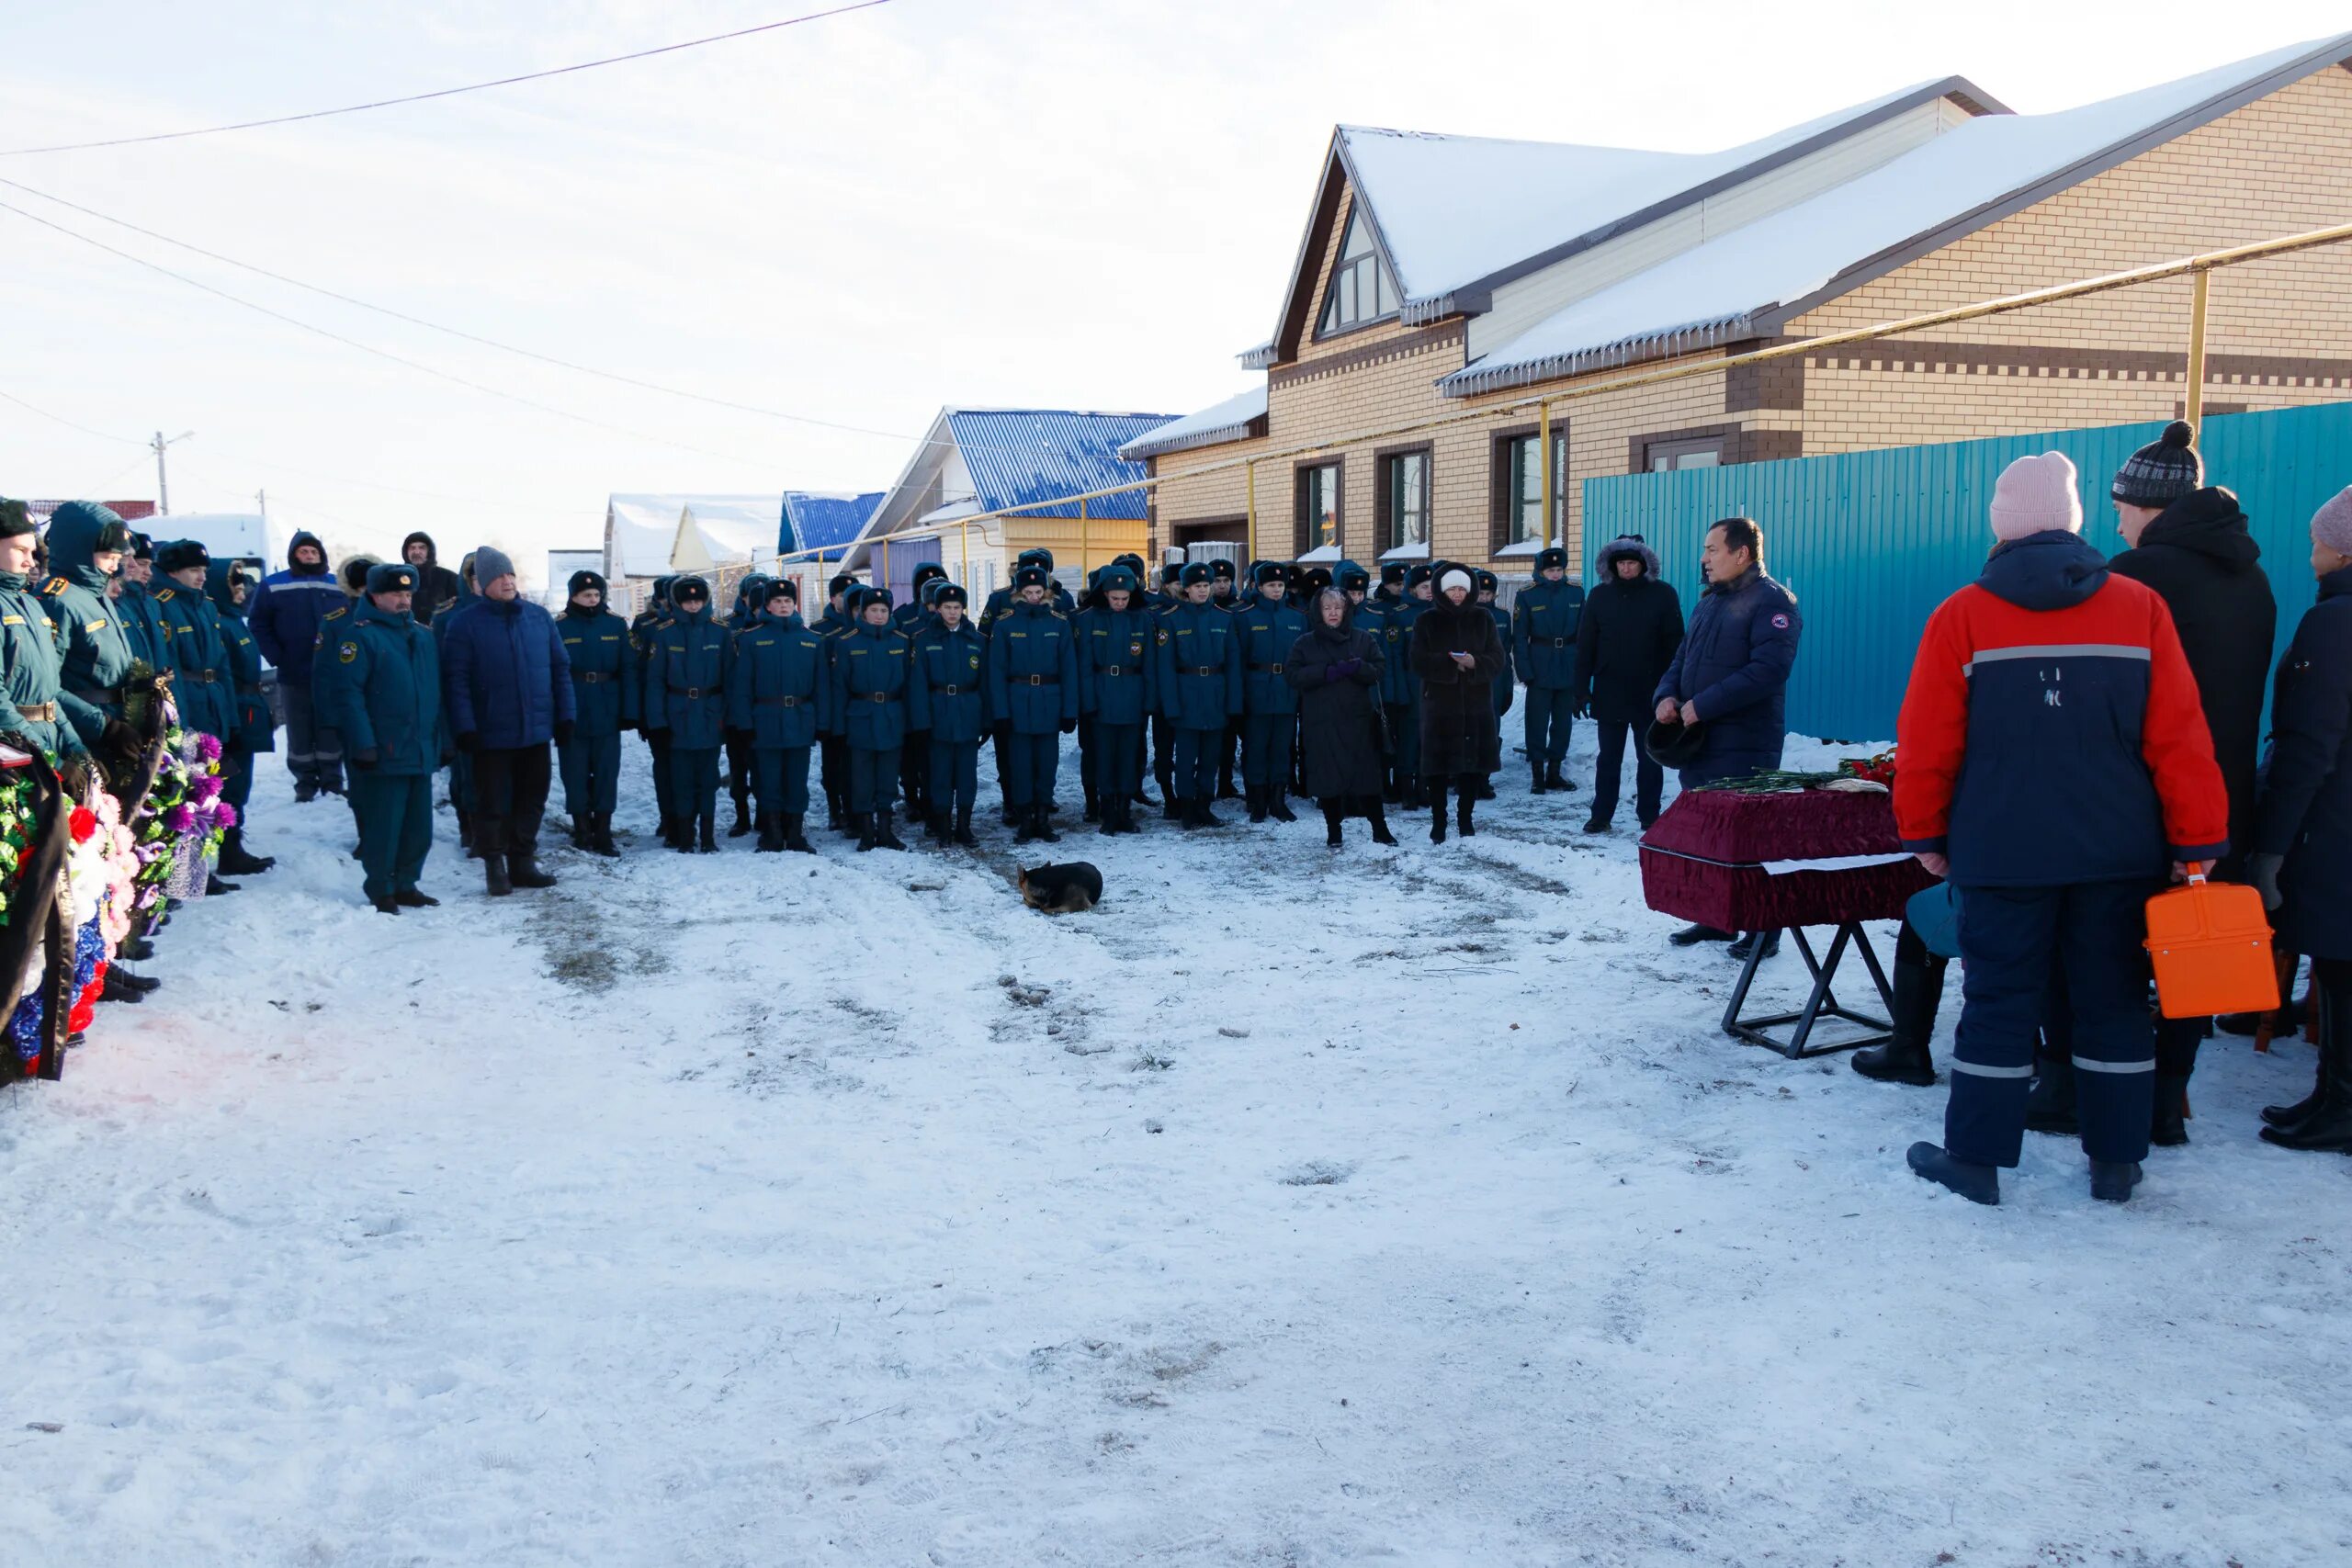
point(2163, 471)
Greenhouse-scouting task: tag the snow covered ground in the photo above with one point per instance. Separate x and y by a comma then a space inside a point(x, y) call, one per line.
point(1398, 1206)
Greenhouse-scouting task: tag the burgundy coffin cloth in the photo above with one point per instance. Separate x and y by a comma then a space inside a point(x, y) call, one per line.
point(1701, 861)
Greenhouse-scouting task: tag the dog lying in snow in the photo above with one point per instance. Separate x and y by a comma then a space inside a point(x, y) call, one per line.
point(1069, 889)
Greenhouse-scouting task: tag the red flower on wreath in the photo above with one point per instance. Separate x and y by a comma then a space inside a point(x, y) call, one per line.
point(83, 822)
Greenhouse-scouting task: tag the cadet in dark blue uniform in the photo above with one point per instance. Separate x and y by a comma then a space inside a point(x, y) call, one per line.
point(143, 619)
point(388, 707)
point(1224, 594)
point(951, 664)
point(1391, 592)
point(86, 543)
point(656, 742)
point(253, 727)
point(205, 687)
point(1117, 649)
point(1199, 679)
point(1164, 729)
point(1265, 630)
point(1543, 646)
point(750, 603)
point(685, 698)
point(832, 746)
point(877, 701)
point(779, 696)
point(1032, 693)
point(915, 758)
point(604, 705)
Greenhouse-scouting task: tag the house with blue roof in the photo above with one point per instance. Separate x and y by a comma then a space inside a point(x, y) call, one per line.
point(975, 462)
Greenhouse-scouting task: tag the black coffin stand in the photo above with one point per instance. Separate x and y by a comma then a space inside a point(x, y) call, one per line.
point(1822, 1003)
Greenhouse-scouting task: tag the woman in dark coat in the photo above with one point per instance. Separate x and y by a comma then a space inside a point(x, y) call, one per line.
point(1335, 669)
point(1457, 653)
point(2302, 855)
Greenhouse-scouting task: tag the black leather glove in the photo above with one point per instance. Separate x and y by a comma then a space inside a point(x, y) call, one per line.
point(563, 727)
point(364, 757)
point(469, 741)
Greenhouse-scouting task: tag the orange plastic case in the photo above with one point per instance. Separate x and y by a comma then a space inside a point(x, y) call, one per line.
point(2211, 946)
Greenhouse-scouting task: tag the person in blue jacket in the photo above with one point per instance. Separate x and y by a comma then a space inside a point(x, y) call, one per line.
point(1224, 594)
point(641, 628)
point(915, 758)
point(1032, 670)
point(779, 697)
point(1164, 729)
point(462, 797)
point(1542, 641)
point(1117, 640)
point(1731, 673)
point(1199, 688)
point(325, 672)
point(507, 683)
point(252, 728)
point(204, 687)
point(1486, 588)
point(283, 616)
point(86, 545)
point(388, 709)
point(950, 665)
point(689, 654)
point(2302, 833)
point(750, 603)
point(1265, 628)
point(876, 701)
point(833, 746)
point(143, 621)
point(604, 707)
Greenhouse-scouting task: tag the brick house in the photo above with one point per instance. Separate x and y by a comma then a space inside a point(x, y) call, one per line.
point(1440, 275)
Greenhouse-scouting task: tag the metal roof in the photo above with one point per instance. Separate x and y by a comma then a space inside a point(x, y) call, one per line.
point(823, 520)
point(1019, 456)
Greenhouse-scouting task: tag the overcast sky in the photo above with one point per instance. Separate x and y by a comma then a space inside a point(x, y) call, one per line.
point(1039, 203)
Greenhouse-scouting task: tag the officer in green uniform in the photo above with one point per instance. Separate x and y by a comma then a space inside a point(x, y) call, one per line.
point(950, 663)
point(875, 702)
point(253, 728)
point(685, 698)
point(778, 695)
point(388, 710)
point(86, 544)
point(604, 707)
point(28, 663)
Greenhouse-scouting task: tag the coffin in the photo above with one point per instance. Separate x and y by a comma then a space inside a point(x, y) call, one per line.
point(1739, 862)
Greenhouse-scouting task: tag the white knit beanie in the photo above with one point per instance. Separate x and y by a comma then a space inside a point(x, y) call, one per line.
point(2037, 495)
point(2331, 523)
point(1452, 579)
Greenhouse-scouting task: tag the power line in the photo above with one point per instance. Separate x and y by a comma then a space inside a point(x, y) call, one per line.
point(456, 331)
point(61, 418)
point(332, 336)
point(444, 91)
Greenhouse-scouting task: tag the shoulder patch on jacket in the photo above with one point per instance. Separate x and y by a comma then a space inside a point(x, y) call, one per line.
point(164, 595)
point(53, 587)
point(347, 652)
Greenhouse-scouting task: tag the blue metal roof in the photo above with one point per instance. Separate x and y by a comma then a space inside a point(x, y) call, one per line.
point(1020, 456)
point(822, 521)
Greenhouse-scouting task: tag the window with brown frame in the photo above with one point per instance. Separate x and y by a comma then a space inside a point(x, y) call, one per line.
point(1516, 486)
point(1688, 452)
point(1319, 507)
point(1404, 498)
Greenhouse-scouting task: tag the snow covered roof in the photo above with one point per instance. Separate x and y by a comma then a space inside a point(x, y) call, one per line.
point(1227, 421)
point(953, 512)
point(1020, 456)
point(645, 536)
point(824, 520)
point(1748, 282)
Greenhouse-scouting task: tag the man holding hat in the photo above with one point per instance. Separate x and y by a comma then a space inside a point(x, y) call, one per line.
point(1544, 622)
point(1033, 691)
point(387, 706)
point(685, 701)
point(779, 698)
point(2056, 765)
point(604, 705)
point(950, 661)
point(507, 682)
point(2190, 542)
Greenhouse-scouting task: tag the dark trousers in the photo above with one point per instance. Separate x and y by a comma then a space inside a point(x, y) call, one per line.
point(740, 764)
point(1086, 751)
point(664, 780)
point(1265, 749)
point(693, 783)
point(1649, 779)
point(914, 765)
point(1118, 760)
point(954, 774)
point(511, 786)
point(314, 748)
point(1405, 731)
point(592, 773)
point(395, 829)
point(1032, 763)
point(2009, 939)
point(2177, 1043)
point(873, 779)
point(1194, 764)
point(237, 779)
point(1229, 746)
point(1549, 721)
point(833, 767)
point(781, 774)
point(1163, 748)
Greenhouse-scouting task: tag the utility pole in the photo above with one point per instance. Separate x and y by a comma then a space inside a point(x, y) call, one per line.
point(261, 497)
point(162, 483)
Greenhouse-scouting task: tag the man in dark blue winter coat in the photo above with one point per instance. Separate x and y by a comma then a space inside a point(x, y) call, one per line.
point(604, 707)
point(1265, 630)
point(253, 728)
point(284, 618)
point(876, 700)
point(750, 603)
point(1542, 647)
point(142, 622)
point(1732, 672)
point(950, 664)
point(1198, 684)
point(507, 684)
point(689, 655)
point(779, 697)
point(389, 703)
point(1116, 639)
point(1031, 671)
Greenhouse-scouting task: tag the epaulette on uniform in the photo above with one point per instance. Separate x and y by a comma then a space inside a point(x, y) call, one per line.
point(54, 586)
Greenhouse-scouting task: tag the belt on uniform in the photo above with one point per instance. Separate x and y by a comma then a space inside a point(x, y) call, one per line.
point(950, 690)
point(1553, 641)
point(1114, 670)
point(1037, 679)
point(39, 713)
point(589, 677)
point(776, 702)
point(1267, 668)
point(877, 696)
point(1198, 670)
point(695, 693)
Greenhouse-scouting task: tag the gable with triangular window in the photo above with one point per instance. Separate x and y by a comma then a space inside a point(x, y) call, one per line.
point(1360, 289)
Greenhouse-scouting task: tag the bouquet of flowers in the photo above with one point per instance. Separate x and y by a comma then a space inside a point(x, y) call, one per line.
point(184, 818)
point(1859, 776)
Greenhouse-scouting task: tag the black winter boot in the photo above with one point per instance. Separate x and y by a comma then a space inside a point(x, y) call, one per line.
point(1176, 809)
point(795, 837)
point(236, 862)
point(1380, 834)
point(1977, 1183)
point(578, 831)
point(1906, 1058)
point(771, 834)
point(836, 818)
point(2168, 1124)
point(214, 885)
point(1332, 821)
point(386, 906)
point(709, 844)
point(2049, 1106)
point(494, 875)
point(2272, 1115)
point(1552, 779)
point(1437, 814)
point(1257, 802)
point(1024, 826)
point(2329, 1126)
point(861, 824)
point(415, 898)
point(963, 834)
point(1205, 814)
point(1093, 812)
point(466, 833)
point(1041, 827)
point(884, 839)
point(119, 988)
point(935, 826)
point(523, 869)
point(601, 840)
point(1536, 786)
point(742, 816)
point(1463, 803)
point(1278, 805)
